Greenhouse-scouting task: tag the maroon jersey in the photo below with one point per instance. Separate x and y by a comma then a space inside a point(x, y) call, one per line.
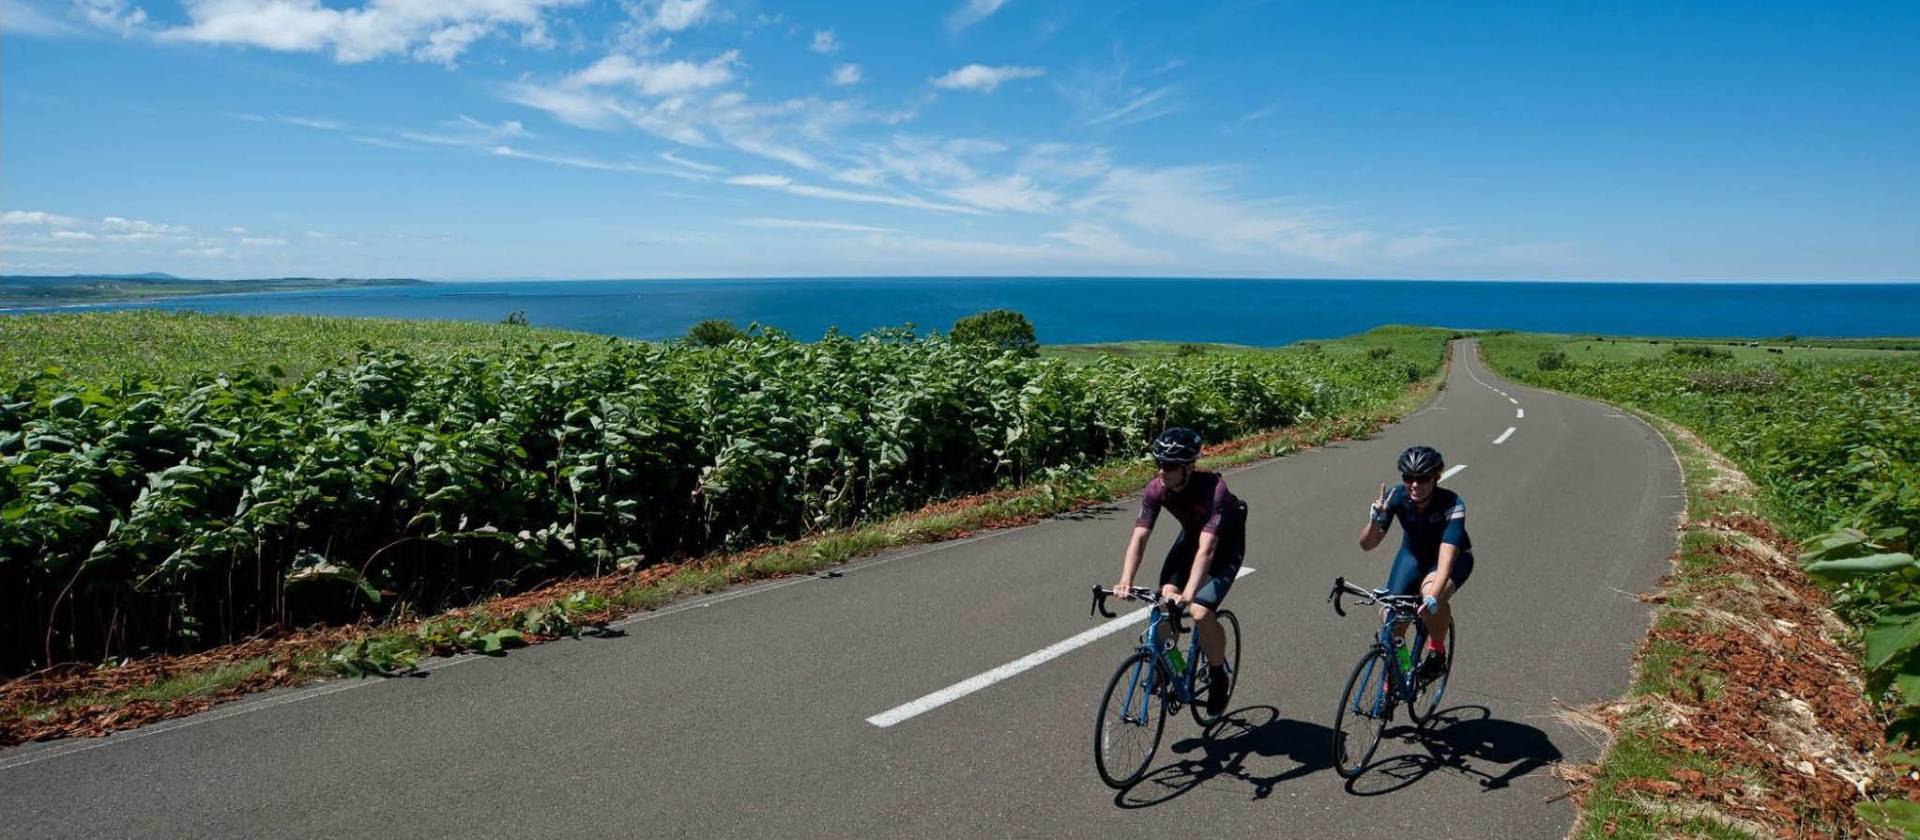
point(1200, 505)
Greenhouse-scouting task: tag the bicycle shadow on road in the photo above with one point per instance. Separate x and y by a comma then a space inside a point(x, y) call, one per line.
point(1223, 750)
point(1464, 739)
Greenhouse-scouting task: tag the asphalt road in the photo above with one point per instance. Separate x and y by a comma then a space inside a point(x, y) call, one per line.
point(747, 713)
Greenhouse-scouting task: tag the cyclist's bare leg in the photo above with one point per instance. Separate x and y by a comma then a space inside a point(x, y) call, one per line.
point(1441, 591)
point(1213, 640)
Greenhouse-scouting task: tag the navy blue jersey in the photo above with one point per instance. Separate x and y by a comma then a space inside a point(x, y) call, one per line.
point(1444, 521)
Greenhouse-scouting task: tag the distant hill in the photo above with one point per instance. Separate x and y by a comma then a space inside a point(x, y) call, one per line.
point(61, 290)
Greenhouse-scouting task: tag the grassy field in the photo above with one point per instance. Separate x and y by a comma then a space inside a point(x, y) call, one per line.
point(102, 347)
point(1612, 349)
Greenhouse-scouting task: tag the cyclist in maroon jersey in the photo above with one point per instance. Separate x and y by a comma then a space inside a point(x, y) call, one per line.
point(1204, 560)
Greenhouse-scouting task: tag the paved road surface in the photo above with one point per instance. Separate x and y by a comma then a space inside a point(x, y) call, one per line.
point(746, 714)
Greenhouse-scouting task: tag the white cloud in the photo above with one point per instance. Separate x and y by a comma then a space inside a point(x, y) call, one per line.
point(35, 217)
point(808, 224)
point(318, 235)
point(656, 79)
point(131, 227)
point(311, 122)
point(261, 241)
point(846, 74)
point(677, 15)
point(1193, 203)
point(972, 12)
point(690, 164)
point(983, 79)
point(73, 234)
point(1139, 109)
point(428, 30)
point(825, 42)
point(208, 253)
point(113, 14)
point(786, 185)
point(1014, 192)
point(23, 17)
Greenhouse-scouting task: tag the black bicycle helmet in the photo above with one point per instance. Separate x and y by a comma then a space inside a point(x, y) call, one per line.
point(1177, 445)
point(1421, 460)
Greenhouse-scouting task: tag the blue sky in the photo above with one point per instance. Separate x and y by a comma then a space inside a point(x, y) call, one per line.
point(702, 138)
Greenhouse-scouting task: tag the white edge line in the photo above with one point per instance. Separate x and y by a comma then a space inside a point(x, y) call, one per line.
point(1520, 413)
point(974, 683)
point(1503, 436)
point(1451, 471)
point(1512, 400)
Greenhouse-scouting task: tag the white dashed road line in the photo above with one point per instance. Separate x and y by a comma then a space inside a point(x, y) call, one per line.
point(1503, 436)
point(979, 681)
point(1451, 471)
point(1519, 412)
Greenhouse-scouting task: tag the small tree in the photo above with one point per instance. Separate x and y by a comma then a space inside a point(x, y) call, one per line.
point(516, 318)
point(1002, 328)
point(714, 332)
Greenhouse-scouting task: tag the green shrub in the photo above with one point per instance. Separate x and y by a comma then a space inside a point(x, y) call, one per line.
point(1004, 329)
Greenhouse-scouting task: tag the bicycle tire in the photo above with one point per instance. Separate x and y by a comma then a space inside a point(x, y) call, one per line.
point(1367, 711)
point(1202, 685)
point(1426, 698)
point(1130, 690)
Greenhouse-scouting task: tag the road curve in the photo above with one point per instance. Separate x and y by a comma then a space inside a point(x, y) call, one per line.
point(747, 713)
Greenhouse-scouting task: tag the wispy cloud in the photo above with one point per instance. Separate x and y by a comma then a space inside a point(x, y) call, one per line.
point(846, 74)
point(983, 79)
point(312, 122)
point(36, 217)
point(825, 42)
point(651, 79)
point(22, 17)
point(781, 183)
point(1141, 108)
point(427, 30)
point(690, 164)
point(972, 12)
point(809, 224)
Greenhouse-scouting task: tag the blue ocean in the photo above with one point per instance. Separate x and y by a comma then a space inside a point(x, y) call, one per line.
point(1081, 310)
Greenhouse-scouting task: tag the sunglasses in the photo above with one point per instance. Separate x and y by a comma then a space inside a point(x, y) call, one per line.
point(1409, 478)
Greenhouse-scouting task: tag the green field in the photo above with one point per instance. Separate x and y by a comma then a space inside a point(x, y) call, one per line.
point(102, 347)
point(184, 480)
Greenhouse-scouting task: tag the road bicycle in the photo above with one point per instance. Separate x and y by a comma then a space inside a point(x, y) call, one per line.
point(1382, 679)
point(1152, 681)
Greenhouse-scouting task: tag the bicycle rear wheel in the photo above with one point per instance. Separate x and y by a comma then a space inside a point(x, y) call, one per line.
point(1132, 716)
point(1365, 707)
point(1203, 681)
point(1426, 697)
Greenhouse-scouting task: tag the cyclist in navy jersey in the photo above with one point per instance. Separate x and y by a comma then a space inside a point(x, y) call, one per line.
point(1204, 560)
point(1435, 556)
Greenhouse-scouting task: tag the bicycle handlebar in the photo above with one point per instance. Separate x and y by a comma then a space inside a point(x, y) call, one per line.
point(1396, 603)
point(1151, 596)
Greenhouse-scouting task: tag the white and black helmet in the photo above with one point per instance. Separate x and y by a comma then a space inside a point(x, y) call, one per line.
point(1421, 460)
point(1178, 445)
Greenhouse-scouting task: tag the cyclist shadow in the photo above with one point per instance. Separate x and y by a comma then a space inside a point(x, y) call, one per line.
point(1223, 750)
point(1464, 739)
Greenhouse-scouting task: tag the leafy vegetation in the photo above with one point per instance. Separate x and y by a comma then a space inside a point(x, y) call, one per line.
point(1003, 329)
point(1832, 439)
point(148, 515)
point(714, 332)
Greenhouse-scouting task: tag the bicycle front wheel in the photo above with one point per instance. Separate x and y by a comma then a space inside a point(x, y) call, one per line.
point(1365, 707)
point(1132, 716)
point(1203, 686)
point(1426, 697)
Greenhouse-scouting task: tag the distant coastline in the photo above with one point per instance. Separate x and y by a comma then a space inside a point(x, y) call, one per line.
point(28, 290)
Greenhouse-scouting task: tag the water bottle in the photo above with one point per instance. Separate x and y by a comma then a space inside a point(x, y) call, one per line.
point(1406, 659)
point(1174, 659)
